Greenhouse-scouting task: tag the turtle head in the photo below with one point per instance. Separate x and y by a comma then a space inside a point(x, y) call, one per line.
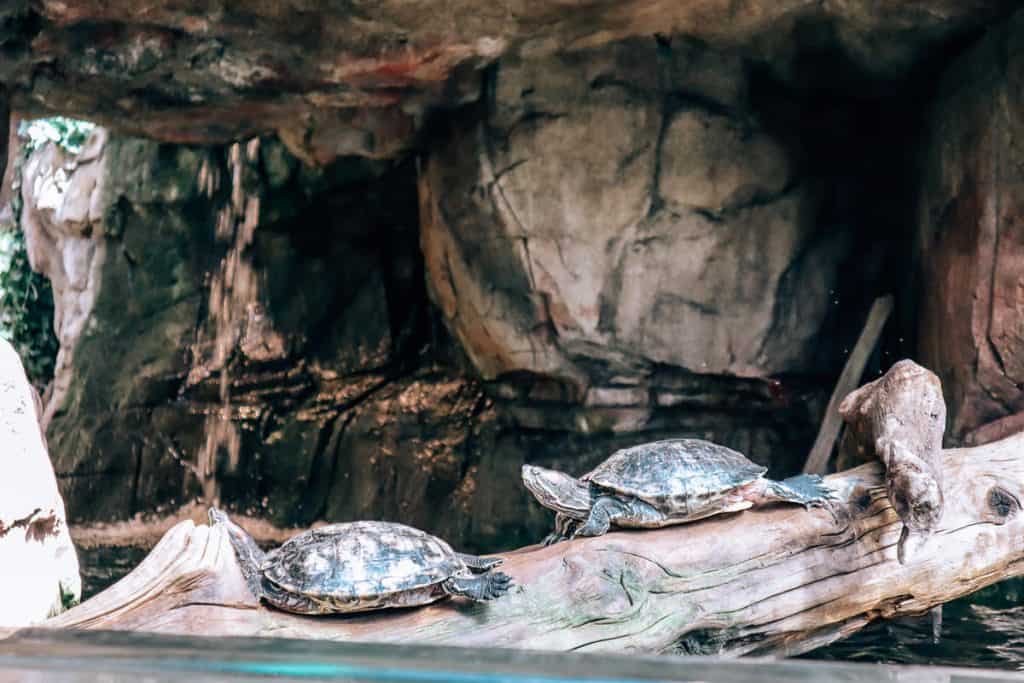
point(558, 491)
point(249, 555)
point(218, 517)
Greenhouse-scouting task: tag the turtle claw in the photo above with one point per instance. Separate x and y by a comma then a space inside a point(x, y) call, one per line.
point(830, 507)
point(565, 527)
point(826, 499)
point(499, 584)
point(480, 588)
point(553, 538)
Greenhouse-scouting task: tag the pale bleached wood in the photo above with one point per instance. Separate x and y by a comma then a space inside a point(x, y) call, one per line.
point(773, 580)
point(817, 460)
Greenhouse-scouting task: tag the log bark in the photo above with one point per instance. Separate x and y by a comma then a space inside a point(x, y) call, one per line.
point(905, 405)
point(777, 580)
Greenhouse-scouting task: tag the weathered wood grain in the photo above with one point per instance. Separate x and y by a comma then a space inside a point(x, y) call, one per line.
point(775, 580)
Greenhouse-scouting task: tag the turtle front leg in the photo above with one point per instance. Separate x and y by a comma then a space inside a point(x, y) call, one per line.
point(564, 527)
point(479, 564)
point(623, 513)
point(480, 588)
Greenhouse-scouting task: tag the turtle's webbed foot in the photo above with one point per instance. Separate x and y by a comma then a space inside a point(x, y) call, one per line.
point(808, 490)
point(479, 588)
point(832, 509)
point(497, 585)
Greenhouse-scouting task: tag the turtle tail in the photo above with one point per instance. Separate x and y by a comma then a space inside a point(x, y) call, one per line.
point(249, 555)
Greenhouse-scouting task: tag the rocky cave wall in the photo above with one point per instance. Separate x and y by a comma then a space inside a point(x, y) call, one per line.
point(603, 282)
point(971, 236)
point(580, 249)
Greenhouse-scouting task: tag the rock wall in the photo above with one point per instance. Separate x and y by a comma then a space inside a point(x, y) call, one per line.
point(235, 326)
point(648, 239)
point(622, 210)
point(337, 80)
point(132, 235)
point(971, 234)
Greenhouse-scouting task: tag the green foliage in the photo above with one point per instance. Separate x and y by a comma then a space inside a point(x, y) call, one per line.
point(70, 134)
point(26, 309)
point(26, 299)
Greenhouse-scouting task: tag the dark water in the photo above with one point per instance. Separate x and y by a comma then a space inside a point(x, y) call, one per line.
point(985, 629)
point(104, 566)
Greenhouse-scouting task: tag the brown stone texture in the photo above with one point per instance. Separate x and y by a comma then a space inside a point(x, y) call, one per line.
point(971, 234)
point(611, 215)
point(238, 327)
point(337, 79)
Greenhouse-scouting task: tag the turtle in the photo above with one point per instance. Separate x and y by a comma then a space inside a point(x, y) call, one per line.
point(361, 566)
point(666, 482)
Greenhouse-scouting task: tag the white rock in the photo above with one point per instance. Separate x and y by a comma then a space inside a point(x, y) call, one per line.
point(38, 563)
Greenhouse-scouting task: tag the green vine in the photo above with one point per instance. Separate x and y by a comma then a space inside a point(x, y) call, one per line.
point(26, 298)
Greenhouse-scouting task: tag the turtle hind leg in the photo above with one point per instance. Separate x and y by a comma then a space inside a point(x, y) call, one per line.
point(808, 490)
point(479, 588)
point(479, 564)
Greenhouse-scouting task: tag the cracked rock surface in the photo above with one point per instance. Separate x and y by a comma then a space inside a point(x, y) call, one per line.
point(319, 383)
point(342, 78)
point(594, 228)
point(971, 231)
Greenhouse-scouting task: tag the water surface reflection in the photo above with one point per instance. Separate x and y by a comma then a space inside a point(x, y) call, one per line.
point(984, 629)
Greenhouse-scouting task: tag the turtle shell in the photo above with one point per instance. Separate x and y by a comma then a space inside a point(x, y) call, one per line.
point(675, 474)
point(360, 560)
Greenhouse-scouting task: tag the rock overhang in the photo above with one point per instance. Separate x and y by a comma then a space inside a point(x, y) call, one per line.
point(358, 78)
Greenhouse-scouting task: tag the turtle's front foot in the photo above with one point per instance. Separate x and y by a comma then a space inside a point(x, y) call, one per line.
point(564, 526)
point(553, 538)
point(480, 588)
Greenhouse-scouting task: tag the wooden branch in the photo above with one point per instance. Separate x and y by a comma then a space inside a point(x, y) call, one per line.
point(817, 460)
point(903, 406)
point(774, 580)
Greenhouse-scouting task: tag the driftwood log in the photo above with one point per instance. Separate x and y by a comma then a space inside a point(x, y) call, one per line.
point(899, 419)
point(777, 580)
point(903, 406)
